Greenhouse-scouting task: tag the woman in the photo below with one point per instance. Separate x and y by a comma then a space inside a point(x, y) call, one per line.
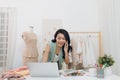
point(58, 49)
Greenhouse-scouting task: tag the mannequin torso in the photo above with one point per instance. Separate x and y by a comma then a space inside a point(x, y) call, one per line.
point(31, 52)
point(30, 40)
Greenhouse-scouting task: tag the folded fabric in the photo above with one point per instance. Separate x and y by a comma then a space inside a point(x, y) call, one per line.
point(15, 73)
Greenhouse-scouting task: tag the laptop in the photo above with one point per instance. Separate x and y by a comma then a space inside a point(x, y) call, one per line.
point(43, 69)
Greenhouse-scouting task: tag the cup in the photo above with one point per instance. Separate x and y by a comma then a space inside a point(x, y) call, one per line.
point(100, 73)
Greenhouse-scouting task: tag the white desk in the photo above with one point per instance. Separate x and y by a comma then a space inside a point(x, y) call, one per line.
point(113, 77)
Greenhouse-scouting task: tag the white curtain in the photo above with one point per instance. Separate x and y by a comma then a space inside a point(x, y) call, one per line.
point(110, 26)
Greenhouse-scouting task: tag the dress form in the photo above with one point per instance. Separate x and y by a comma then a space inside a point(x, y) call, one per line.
point(30, 52)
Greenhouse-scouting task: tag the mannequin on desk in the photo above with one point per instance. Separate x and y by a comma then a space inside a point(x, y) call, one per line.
point(30, 52)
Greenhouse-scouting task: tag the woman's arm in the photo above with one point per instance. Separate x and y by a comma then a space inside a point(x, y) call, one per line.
point(46, 53)
point(66, 58)
point(66, 53)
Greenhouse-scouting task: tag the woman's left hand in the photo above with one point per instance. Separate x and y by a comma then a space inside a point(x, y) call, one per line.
point(66, 47)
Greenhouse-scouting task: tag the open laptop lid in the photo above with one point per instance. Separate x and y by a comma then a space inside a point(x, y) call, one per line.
point(43, 69)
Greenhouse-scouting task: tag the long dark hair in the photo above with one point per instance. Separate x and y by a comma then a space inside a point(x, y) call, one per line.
point(67, 38)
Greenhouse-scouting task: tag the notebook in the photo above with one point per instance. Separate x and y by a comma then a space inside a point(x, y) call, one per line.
point(43, 69)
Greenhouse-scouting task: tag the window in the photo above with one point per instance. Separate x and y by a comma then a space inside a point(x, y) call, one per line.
point(7, 23)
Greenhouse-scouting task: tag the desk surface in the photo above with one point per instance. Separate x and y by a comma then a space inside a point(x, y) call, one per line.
point(112, 77)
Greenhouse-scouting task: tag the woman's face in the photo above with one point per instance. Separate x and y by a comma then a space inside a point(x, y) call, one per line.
point(60, 40)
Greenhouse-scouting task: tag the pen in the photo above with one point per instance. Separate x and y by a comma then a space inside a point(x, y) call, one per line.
point(104, 66)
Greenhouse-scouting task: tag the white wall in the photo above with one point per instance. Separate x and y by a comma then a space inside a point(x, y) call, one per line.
point(109, 11)
point(76, 15)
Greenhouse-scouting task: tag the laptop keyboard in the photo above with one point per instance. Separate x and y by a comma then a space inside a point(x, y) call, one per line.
point(77, 78)
point(74, 78)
